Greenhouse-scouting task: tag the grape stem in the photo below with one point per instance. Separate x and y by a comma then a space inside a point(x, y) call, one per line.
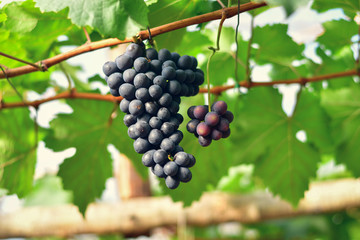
point(214, 50)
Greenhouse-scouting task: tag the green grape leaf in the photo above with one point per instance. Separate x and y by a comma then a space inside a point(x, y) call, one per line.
point(343, 105)
point(90, 131)
point(166, 11)
point(283, 50)
point(290, 6)
point(19, 20)
point(350, 7)
point(17, 151)
point(114, 18)
point(3, 17)
point(48, 191)
point(342, 61)
point(269, 139)
point(331, 38)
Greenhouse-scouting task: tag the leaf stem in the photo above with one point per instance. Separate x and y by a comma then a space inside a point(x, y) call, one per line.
point(22, 61)
point(88, 39)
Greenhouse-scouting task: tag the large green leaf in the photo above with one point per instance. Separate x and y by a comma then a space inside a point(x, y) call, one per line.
point(350, 7)
point(290, 6)
point(19, 20)
point(269, 138)
point(112, 18)
point(166, 11)
point(275, 45)
point(343, 105)
point(17, 151)
point(331, 38)
point(90, 130)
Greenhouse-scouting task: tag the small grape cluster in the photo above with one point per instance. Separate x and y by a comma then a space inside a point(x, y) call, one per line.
point(151, 84)
point(208, 126)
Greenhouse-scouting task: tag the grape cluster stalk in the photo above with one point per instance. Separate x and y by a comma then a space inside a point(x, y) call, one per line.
point(152, 83)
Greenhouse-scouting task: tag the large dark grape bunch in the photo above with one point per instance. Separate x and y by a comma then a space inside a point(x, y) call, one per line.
point(208, 126)
point(151, 84)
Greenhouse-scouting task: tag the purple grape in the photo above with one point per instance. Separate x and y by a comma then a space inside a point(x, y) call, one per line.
point(216, 134)
point(203, 129)
point(229, 116)
point(172, 182)
point(204, 141)
point(184, 174)
point(219, 107)
point(212, 119)
point(190, 112)
point(191, 125)
point(223, 125)
point(200, 112)
point(226, 133)
point(171, 168)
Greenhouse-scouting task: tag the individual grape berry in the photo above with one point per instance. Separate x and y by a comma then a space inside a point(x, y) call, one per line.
point(184, 174)
point(176, 137)
point(109, 68)
point(229, 116)
point(212, 119)
point(155, 66)
point(167, 145)
point(180, 75)
point(194, 63)
point(124, 62)
point(174, 121)
point(164, 55)
point(136, 107)
point(223, 125)
point(143, 128)
point(190, 112)
point(133, 132)
point(171, 182)
point(147, 158)
point(161, 81)
point(168, 73)
point(171, 168)
point(203, 129)
point(169, 63)
point(175, 56)
point(158, 171)
point(190, 76)
point(165, 100)
point(129, 119)
point(160, 157)
point(129, 75)
point(144, 117)
point(192, 125)
point(151, 53)
point(174, 107)
point(179, 117)
point(167, 128)
point(192, 161)
point(124, 106)
point(141, 145)
point(199, 79)
point(173, 87)
point(184, 62)
point(226, 133)
point(200, 112)
point(184, 90)
point(114, 92)
point(151, 108)
point(134, 50)
point(219, 107)
point(204, 141)
point(155, 91)
point(151, 75)
point(164, 114)
point(141, 81)
point(155, 122)
point(182, 159)
point(141, 65)
point(142, 94)
point(155, 137)
point(127, 91)
point(115, 80)
point(216, 134)
point(198, 70)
